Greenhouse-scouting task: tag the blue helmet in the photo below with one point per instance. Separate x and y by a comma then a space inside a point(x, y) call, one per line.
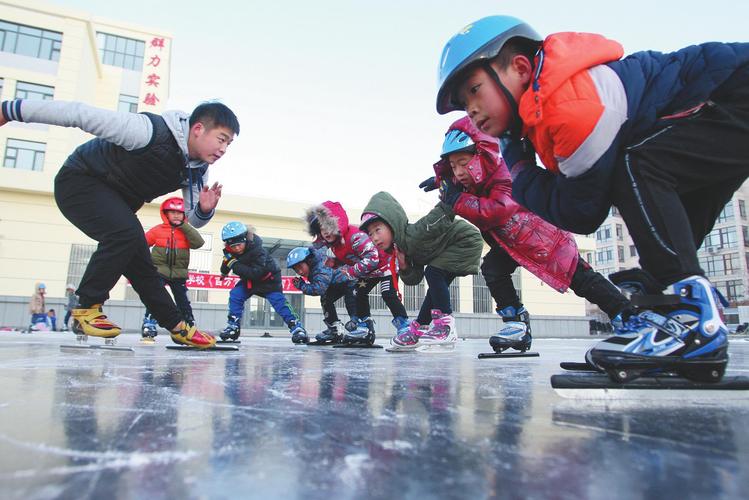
point(234, 232)
point(456, 140)
point(479, 41)
point(296, 256)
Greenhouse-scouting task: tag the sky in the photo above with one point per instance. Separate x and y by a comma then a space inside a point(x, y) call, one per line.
point(336, 99)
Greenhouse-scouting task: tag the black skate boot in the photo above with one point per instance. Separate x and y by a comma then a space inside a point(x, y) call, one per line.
point(232, 330)
point(331, 335)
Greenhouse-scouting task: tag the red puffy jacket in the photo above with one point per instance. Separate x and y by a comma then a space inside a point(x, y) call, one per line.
point(354, 250)
point(545, 250)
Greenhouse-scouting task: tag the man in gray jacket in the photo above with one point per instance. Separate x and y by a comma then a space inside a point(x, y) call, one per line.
point(133, 159)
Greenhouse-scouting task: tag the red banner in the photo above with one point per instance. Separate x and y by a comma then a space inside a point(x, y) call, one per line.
point(204, 281)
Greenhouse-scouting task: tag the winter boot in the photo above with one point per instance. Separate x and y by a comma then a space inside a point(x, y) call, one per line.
point(516, 333)
point(92, 321)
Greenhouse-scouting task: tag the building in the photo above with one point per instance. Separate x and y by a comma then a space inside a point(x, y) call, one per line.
point(724, 254)
point(50, 52)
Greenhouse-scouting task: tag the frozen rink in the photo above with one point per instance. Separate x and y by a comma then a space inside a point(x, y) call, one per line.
point(276, 420)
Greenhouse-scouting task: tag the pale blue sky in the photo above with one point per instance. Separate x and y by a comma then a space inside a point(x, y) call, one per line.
point(336, 98)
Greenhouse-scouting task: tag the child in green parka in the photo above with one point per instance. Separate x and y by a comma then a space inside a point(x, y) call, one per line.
point(436, 247)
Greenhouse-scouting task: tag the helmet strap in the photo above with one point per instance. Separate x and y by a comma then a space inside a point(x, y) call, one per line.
point(515, 122)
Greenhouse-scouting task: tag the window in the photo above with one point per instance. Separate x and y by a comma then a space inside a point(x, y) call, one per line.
point(120, 51)
point(79, 257)
point(26, 90)
point(745, 231)
point(620, 253)
point(733, 290)
point(632, 251)
point(720, 238)
point(719, 265)
point(128, 104)
point(742, 209)
point(28, 41)
point(619, 232)
point(24, 155)
point(726, 214)
point(589, 257)
point(614, 211)
point(604, 256)
point(482, 299)
point(604, 233)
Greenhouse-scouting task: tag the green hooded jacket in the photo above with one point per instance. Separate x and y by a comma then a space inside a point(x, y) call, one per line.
point(437, 239)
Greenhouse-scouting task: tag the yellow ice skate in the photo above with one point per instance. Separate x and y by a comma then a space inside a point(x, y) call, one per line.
point(185, 334)
point(94, 322)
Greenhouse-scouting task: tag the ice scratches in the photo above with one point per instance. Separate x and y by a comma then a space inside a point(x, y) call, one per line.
point(99, 460)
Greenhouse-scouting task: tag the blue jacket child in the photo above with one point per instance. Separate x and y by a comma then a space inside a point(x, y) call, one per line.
point(317, 278)
point(260, 275)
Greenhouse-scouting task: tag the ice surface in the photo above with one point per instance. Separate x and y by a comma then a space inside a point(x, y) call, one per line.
point(275, 420)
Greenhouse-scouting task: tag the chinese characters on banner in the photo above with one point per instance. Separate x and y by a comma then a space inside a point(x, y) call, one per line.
point(214, 282)
point(155, 75)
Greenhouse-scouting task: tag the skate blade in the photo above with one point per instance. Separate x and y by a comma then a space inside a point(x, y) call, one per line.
point(598, 386)
point(196, 349)
point(228, 342)
point(579, 367)
point(490, 355)
point(357, 346)
point(317, 343)
point(90, 347)
point(400, 350)
point(436, 348)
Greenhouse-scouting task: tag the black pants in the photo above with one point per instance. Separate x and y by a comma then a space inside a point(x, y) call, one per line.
point(671, 186)
point(389, 295)
point(102, 214)
point(497, 268)
point(438, 294)
point(328, 299)
point(179, 291)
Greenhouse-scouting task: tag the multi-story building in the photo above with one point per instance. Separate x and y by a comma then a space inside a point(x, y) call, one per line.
point(55, 53)
point(724, 254)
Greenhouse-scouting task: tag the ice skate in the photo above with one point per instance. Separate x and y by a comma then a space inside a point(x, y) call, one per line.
point(93, 322)
point(441, 335)
point(298, 333)
point(331, 335)
point(689, 339)
point(516, 335)
point(362, 336)
point(232, 330)
point(407, 335)
point(186, 335)
point(148, 333)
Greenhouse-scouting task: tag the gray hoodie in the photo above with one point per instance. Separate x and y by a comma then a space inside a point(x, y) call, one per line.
point(128, 130)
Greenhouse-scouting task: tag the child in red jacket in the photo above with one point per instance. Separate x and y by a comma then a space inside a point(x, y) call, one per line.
point(170, 244)
point(478, 187)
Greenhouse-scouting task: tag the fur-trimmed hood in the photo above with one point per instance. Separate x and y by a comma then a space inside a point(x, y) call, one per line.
point(329, 216)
